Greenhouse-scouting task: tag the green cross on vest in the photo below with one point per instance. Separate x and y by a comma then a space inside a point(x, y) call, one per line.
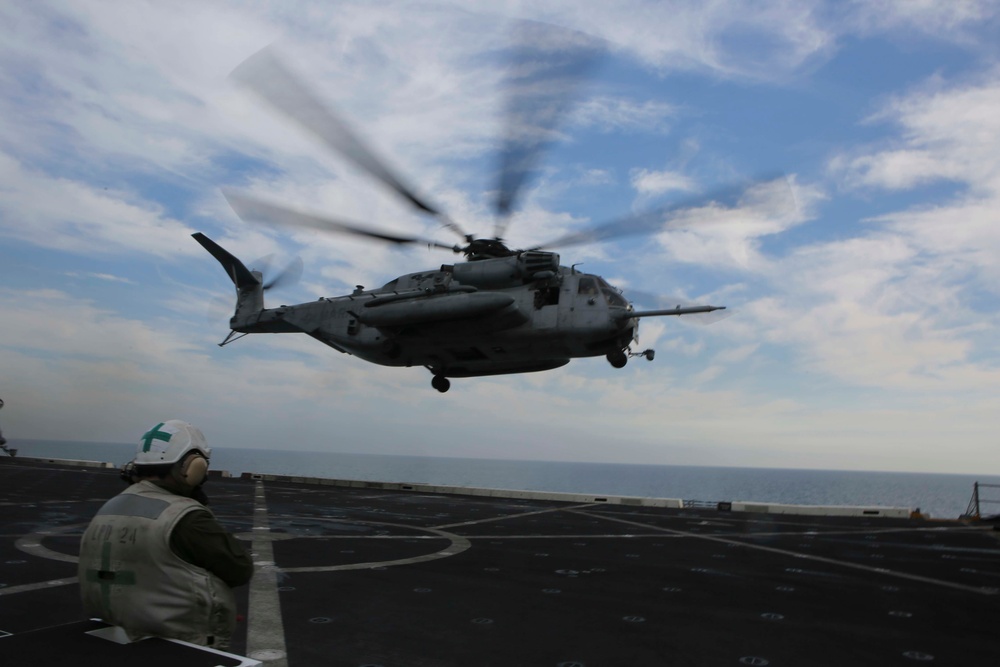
point(154, 434)
point(107, 578)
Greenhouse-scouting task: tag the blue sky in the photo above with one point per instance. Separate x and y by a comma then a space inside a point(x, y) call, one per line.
point(863, 327)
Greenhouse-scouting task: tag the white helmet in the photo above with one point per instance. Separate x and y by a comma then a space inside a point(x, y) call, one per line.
point(169, 442)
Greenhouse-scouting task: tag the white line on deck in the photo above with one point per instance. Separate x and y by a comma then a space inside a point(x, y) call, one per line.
point(797, 554)
point(457, 544)
point(27, 588)
point(519, 515)
point(265, 629)
point(32, 543)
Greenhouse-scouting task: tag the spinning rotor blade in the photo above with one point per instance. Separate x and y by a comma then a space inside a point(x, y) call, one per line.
point(288, 276)
point(252, 209)
point(262, 264)
point(673, 216)
point(266, 76)
point(546, 68)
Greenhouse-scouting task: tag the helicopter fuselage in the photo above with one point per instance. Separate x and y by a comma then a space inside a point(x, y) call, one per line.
point(484, 317)
point(515, 313)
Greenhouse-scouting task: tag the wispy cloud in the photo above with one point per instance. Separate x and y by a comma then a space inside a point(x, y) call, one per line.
point(946, 132)
point(66, 214)
point(959, 20)
point(654, 183)
point(101, 276)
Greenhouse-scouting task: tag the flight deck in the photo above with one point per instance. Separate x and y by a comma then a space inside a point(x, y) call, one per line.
point(366, 575)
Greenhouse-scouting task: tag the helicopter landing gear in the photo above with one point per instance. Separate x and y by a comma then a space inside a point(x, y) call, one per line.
point(649, 354)
point(618, 359)
point(441, 383)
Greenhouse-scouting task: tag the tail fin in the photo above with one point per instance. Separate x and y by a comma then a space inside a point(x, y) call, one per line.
point(235, 269)
point(249, 284)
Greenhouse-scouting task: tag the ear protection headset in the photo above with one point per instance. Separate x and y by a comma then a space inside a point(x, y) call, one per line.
point(194, 469)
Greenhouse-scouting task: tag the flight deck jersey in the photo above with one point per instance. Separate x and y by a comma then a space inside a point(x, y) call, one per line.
point(129, 576)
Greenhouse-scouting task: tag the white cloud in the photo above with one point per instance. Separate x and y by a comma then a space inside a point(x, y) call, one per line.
point(608, 113)
point(729, 236)
point(948, 132)
point(952, 20)
point(893, 307)
point(65, 214)
point(773, 40)
point(960, 240)
point(737, 354)
point(652, 183)
point(100, 276)
point(53, 320)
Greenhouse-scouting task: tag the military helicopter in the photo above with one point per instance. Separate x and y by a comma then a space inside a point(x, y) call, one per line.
point(501, 310)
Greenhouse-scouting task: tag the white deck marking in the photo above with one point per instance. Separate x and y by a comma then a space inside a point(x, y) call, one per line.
point(265, 629)
point(32, 543)
point(457, 545)
point(800, 555)
point(27, 588)
point(519, 515)
point(580, 536)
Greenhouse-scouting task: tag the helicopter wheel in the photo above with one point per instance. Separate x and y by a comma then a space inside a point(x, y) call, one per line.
point(441, 383)
point(617, 359)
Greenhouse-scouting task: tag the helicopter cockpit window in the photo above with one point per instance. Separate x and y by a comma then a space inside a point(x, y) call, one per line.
point(613, 296)
point(587, 286)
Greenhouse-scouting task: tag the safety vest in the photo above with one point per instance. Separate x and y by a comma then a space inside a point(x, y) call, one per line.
point(130, 577)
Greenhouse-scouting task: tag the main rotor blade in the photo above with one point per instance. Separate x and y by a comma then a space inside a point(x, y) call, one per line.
point(671, 216)
point(265, 75)
point(547, 65)
point(252, 209)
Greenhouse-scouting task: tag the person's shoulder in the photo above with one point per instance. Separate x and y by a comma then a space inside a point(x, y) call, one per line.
point(199, 517)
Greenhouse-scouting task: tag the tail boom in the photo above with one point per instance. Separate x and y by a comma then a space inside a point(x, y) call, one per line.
point(249, 288)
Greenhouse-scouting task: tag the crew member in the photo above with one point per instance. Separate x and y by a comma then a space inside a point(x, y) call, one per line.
point(154, 560)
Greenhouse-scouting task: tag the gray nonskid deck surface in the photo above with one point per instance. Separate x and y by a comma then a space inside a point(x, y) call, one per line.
point(371, 577)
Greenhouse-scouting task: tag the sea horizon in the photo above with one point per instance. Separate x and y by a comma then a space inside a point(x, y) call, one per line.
point(941, 495)
point(216, 448)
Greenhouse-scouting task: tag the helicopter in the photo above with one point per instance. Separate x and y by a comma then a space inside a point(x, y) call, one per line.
point(498, 311)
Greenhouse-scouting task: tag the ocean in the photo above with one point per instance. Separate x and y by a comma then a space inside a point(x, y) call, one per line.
point(940, 496)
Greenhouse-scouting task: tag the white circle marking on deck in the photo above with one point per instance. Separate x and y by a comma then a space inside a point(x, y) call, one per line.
point(457, 545)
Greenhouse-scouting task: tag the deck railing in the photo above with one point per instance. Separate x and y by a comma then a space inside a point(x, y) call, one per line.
point(974, 509)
